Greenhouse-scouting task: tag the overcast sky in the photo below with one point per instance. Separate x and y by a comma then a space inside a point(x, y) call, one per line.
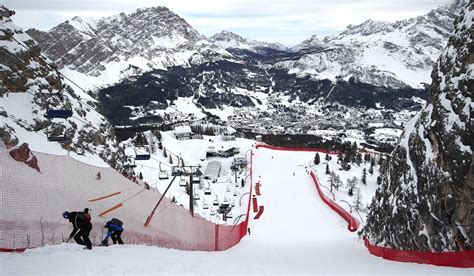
point(288, 22)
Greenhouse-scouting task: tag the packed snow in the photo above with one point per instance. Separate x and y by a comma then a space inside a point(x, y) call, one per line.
point(297, 233)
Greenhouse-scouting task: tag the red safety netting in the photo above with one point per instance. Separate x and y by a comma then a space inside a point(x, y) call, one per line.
point(32, 204)
point(454, 259)
point(353, 223)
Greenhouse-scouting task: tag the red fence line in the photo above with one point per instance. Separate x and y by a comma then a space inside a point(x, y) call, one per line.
point(13, 250)
point(353, 223)
point(260, 212)
point(296, 149)
point(464, 259)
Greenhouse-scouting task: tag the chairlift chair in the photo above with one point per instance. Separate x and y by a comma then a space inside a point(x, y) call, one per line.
point(215, 202)
point(183, 182)
point(143, 153)
point(207, 191)
point(163, 175)
point(229, 215)
point(213, 213)
point(58, 113)
point(205, 206)
point(196, 196)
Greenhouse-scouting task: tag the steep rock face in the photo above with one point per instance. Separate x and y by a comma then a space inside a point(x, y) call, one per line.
point(427, 195)
point(149, 38)
point(29, 86)
point(395, 54)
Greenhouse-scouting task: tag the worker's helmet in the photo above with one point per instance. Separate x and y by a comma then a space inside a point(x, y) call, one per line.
point(66, 215)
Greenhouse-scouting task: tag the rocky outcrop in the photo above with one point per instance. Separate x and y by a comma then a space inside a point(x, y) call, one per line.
point(30, 85)
point(427, 195)
point(24, 154)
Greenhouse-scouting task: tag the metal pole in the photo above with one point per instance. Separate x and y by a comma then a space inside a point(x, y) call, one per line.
point(191, 195)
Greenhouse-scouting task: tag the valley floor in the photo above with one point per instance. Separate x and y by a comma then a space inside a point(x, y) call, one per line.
point(297, 233)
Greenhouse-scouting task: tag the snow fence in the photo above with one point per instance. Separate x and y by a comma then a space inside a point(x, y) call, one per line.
point(32, 203)
point(352, 222)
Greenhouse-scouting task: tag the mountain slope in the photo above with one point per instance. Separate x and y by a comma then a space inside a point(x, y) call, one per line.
point(384, 54)
point(425, 202)
point(235, 86)
point(230, 40)
point(105, 50)
point(30, 86)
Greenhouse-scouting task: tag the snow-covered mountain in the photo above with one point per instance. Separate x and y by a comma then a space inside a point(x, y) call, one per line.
point(230, 40)
point(103, 51)
point(384, 54)
point(30, 86)
point(427, 193)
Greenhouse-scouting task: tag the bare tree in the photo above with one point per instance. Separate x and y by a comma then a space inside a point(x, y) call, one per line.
point(358, 205)
point(334, 181)
point(352, 185)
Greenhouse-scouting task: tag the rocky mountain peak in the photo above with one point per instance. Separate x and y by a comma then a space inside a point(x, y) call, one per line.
point(312, 42)
point(366, 28)
point(397, 55)
point(226, 36)
point(147, 39)
point(227, 39)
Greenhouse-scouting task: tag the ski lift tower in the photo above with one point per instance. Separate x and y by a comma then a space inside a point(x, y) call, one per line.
point(188, 171)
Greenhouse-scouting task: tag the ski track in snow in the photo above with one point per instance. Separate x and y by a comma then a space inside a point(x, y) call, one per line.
point(297, 233)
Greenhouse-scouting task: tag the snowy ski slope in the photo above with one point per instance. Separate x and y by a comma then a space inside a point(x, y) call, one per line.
point(297, 233)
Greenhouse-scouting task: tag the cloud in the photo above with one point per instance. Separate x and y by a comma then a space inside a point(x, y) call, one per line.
point(288, 22)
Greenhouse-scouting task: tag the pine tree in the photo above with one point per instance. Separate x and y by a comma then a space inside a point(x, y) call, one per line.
point(140, 176)
point(327, 158)
point(371, 169)
point(366, 157)
point(327, 169)
point(317, 159)
point(363, 179)
point(160, 145)
point(171, 159)
point(164, 153)
point(379, 180)
point(358, 158)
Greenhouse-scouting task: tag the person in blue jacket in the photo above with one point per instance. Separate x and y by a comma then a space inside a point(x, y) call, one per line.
point(115, 229)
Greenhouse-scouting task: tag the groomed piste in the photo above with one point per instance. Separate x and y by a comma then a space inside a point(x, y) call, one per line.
point(296, 233)
point(463, 259)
